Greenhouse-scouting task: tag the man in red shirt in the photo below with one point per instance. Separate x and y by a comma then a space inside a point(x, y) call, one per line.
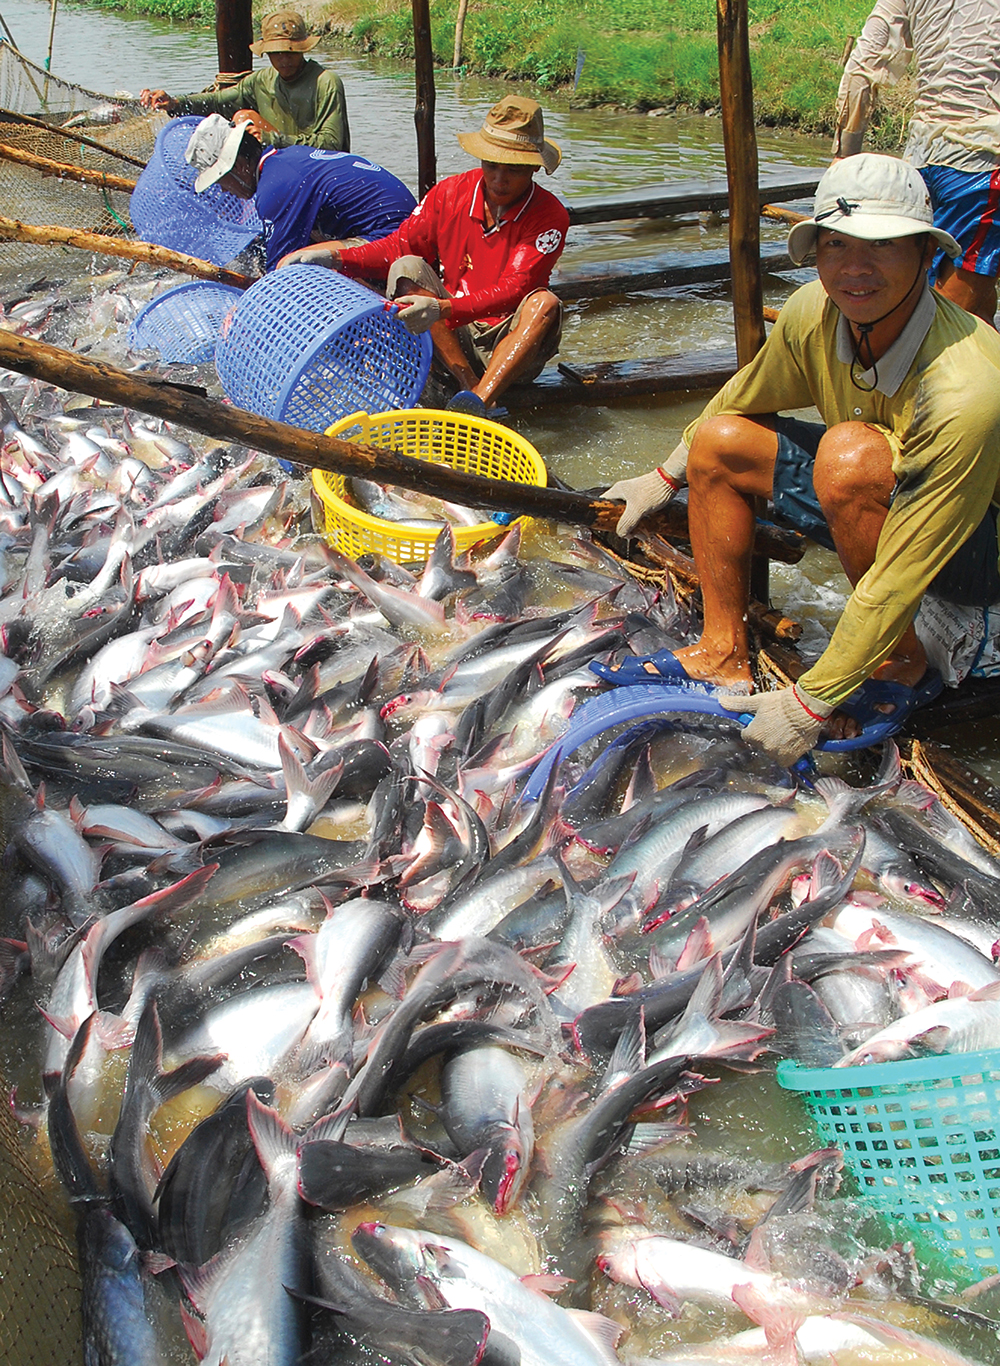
point(472, 262)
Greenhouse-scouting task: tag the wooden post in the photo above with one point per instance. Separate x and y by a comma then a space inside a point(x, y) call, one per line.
point(740, 137)
point(52, 37)
point(233, 35)
point(423, 114)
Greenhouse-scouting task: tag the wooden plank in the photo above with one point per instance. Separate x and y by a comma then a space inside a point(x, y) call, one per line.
point(669, 270)
point(688, 196)
point(609, 380)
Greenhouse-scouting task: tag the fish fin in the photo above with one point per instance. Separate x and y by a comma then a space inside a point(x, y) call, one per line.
point(990, 992)
point(272, 1137)
point(756, 1258)
point(197, 1334)
point(912, 793)
point(933, 1040)
point(146, 1062)
point(604, 1331)
point(179, 895)
point(627, 986)
point(430, 1294)
point(547, 1283)
point(698, 946)
point(660, 965)
point(779, 1322)
point(629, 1056)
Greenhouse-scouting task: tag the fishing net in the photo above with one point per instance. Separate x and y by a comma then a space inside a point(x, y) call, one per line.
point(125, 134)
point(40, 1286)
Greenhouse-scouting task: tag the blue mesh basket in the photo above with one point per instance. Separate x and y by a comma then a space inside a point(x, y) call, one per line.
point(184, 324)
point(165, 209)
point(305, 346)
point(922, 1139)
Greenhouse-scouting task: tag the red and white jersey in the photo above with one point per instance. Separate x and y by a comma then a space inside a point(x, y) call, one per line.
point(487, 271)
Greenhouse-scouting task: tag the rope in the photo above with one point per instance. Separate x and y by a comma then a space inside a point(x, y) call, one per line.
point(225, 79)
point(126, 227)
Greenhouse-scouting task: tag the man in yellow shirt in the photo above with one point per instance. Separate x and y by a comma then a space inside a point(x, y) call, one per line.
point(901, 480)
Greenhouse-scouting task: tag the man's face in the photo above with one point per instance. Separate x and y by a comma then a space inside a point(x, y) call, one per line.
point(505, 185)
point(241, 180)
point(287, 64)
point(867, 279)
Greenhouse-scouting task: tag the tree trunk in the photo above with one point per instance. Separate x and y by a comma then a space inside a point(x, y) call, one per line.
point(463, 9)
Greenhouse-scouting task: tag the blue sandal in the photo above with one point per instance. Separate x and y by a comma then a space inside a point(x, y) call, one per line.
point(632, 672)
point(863, 706)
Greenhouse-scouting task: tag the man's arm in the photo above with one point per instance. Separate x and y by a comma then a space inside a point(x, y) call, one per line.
point(238, 96)
point(879, 57)
point(933, 514)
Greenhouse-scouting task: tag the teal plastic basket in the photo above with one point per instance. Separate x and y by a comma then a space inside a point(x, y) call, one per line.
point(922, 1140)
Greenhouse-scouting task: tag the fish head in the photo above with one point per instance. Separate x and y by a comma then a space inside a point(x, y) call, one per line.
point(398, 1255)
point(505, 1169)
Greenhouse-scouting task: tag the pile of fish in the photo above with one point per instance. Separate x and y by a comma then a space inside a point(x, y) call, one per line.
point(341, 1050)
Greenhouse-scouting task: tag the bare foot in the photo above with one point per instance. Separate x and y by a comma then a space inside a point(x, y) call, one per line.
point(707, 665)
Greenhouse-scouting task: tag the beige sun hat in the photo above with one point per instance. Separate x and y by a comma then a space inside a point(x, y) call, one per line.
point(513, 133)
point(213, 148)
point(283, 31)
point(869, 196)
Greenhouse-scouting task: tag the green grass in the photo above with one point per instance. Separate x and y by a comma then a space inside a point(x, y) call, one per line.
point(640, 53)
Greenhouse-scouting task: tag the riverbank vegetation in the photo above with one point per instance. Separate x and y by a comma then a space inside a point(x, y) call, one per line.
point(639, 54)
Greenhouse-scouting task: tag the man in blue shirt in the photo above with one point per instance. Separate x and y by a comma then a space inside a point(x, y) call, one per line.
point(302, 194)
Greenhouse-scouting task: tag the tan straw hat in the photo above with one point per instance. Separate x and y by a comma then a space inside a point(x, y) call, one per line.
point(513, 133)
point(283, 31)
point(870, 196)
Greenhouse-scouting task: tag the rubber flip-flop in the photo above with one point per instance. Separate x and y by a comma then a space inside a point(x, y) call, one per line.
point(466, 402)
point(877, 726)
point(631, 671)
point(627, 704)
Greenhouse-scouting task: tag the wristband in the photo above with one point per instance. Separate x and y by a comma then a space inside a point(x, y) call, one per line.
point(798, 697)
point(668, 479)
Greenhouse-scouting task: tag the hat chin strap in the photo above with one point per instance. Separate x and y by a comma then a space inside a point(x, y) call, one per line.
point(864, 340)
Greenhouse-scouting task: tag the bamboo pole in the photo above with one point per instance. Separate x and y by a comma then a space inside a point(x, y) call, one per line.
point(740, 138)
point(423, 113)
point(11, 116)
point(64, 171)
point(52, 34)
point(50, 235)
point(192, 408)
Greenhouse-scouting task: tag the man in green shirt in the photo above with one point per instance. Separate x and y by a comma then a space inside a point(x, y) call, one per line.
point(902, 479)
point(292, 101)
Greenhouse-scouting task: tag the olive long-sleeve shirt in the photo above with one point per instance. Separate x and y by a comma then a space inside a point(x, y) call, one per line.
point(310, 111)
point(942, 423)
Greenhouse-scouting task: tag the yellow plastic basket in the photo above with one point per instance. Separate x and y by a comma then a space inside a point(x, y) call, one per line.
point(465, 443)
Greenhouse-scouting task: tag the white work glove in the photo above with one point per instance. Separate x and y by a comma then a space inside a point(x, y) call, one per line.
point(642, 495)
point(419, 312)
point(319, 255)
point(786, 723)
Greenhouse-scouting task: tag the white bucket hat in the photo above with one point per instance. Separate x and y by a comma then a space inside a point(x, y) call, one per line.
point(213, 148)
point(869, 196)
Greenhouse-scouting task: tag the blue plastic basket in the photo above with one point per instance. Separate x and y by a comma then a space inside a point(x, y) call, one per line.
point(922, 1139)
point(165, 209)
point(184, 324)
point(306, 346)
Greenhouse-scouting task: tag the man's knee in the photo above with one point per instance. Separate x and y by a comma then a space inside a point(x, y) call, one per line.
point(853, 462)
point(540, 312)
point(730, 444)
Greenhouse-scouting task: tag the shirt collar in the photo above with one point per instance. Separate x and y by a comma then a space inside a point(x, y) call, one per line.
point(478, 207)
point(269, 152)
point(894, 366)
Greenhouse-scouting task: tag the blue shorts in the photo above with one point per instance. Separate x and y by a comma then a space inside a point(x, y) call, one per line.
point(970, 578)
point(967, 204)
